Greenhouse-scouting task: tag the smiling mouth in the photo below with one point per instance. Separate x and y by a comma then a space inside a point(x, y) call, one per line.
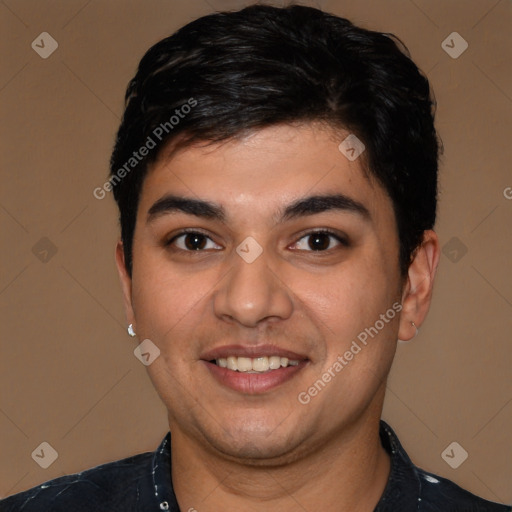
point(262, 364)
point(253, 370)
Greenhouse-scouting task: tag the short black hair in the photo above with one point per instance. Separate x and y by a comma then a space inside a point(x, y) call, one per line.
point(229, 73)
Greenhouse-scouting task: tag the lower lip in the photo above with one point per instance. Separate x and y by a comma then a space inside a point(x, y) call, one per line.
point(253, 383)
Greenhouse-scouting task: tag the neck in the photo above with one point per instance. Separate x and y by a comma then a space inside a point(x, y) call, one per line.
point(346, 473)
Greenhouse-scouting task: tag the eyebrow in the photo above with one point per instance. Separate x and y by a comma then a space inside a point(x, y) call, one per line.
point(322, 203)
point(311, 205)
point(175, 204)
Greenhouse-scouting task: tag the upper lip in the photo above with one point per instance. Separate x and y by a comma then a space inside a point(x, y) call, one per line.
point(252, 351)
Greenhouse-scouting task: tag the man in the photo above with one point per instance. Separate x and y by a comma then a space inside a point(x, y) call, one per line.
point(276, 176)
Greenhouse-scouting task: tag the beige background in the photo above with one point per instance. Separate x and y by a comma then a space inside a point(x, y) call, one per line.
point(68, 373)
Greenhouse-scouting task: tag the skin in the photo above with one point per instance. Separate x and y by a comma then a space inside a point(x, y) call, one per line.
point(238, 451)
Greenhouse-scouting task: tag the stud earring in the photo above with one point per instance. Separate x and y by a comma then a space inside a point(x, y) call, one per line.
point(131, 332)
point(416, 334)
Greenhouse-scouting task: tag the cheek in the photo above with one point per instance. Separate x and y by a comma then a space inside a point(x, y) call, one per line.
point(349, 297)
point(166, 298)
point(348, 305)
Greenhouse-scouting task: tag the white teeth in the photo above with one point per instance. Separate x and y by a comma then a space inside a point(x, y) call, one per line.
point(232, 363)
point(256, 364)
point(260, 364)
point(274, 362)
point(244, 364)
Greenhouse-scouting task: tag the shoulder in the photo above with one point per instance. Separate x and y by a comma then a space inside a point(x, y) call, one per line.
point(100, 489)
point(412, 488)
point(438, 494)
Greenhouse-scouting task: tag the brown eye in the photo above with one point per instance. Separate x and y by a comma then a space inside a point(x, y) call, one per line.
point(193, 241)
point(319, 241)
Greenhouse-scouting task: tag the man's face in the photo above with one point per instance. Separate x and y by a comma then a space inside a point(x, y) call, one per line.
point(328, 270)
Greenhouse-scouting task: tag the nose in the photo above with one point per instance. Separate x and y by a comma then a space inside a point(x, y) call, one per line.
point(251, 293)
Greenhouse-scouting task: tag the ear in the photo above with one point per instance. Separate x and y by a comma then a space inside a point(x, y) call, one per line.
point(126, 284)
point(417, 292)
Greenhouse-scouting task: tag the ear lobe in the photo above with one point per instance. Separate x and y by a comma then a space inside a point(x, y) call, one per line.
point(126, 283)
point(417, 293)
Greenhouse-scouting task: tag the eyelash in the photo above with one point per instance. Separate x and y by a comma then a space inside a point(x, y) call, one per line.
point(342, 240)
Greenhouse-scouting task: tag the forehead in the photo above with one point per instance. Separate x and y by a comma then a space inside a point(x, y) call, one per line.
point(260, 172)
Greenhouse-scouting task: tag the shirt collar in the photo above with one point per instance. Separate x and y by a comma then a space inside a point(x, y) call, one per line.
point(156, 494)
point(402, 490)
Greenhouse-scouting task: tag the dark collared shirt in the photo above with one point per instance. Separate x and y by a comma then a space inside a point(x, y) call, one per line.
point(143, 484)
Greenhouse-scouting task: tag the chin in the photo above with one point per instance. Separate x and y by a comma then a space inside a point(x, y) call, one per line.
point(260, 455)
point(261, 447)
